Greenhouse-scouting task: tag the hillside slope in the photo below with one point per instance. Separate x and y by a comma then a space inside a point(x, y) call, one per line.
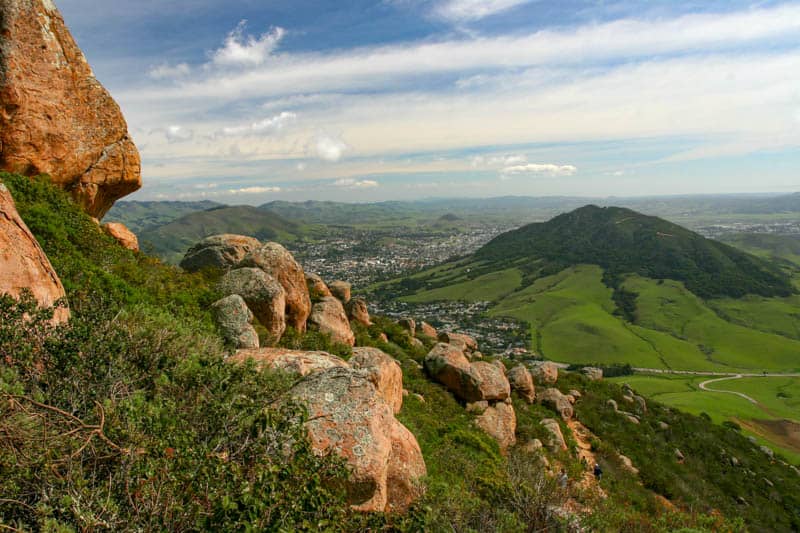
point(142, 216)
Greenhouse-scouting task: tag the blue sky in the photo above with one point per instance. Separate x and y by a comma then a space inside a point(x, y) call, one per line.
point(246, 101)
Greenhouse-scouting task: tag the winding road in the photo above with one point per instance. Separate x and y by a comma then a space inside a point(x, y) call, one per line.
point(704, 386)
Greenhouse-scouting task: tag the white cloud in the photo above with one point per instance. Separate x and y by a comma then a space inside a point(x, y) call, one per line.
point(206, 186)
point(167, 71)
point(242, 50)
point(267, 126)
point(254, 190)
point(352, 183)
point(176, 134)
point(471, 10)
point(547, 169)
point(328, 148)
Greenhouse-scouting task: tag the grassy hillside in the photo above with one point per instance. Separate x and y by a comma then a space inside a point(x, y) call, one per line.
point(171, 241)
point(142, 216)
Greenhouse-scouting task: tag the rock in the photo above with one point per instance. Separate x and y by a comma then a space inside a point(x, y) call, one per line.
point(575, 393)
point(626, 388)
point(767, 482)
point(679, 455)
point(545, 373)
point(235, 320)
point(383, 338)
point(734, 461)
point(555, 440)
point(464, 342)
point(316, 287)
point(416, 343)
point(474, 355)
point(349, 418)
point(752, 439)
point(477, 407)
point(419, 397)
point(328, 316)
point(663, 425)
point(340, 290)
point(301, 363)
point(628, 399)
point(409, 325)
point(448, 365)
point(521, 381)
point(23, 263)
point(57, 119)
point(492, 381)
point(383, 372)
point(641, 405)
point(592, 373)
point(500, 423)
point(405, 393)
point(767, 451)
point(532, 446)
point(630, 418)
point(264, 296)
point(500, 365)
point(218, 251)
point(794, 469)
point(427, 330)
point(612, 404)
point(571, 398)
point(627, 464)
point(276, 261)
point(125, 237)
point(357, 311)
point(555, 400)
point(741, 501)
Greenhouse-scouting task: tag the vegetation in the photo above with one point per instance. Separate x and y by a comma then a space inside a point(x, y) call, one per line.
point(143, 216)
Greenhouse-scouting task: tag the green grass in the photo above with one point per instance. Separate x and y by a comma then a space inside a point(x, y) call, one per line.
point(491, 287)
point(780, 316)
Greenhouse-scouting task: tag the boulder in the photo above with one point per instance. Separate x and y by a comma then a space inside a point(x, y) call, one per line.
point(627, 464)
point(416, 343)
point(555, 439)
point(234, 319)
point(492, 381)
point(500, 365)
point(641, 405)
point(301, 363)
point(499, 422)
point(383, 338)
point(464, 342)
point(575, 394)
point(23, 263)
point(555, 400)
point(532, 446)
point(426, 329)
point(767, 451)
point(477, 407)
point(263, 294)
point(592, 373)
point(56, 118)
point(663, 425)
point(276, 261)
point(357, 311)
point(348, 417)
point(125, 237)
point(449, 366)
point(613, 405)
point(328, 316)
point(630, 418)
point(218, 251)
point(409, 325)
point(340, 290)
point(521, 381)
point(545, 372)
point(316, 287)
point(679, 455)
point(383, 372)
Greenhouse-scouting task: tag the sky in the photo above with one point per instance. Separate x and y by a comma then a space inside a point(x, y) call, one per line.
point(248, 101)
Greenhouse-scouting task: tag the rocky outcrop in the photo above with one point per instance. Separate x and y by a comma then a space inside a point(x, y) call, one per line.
point(558, 402)
point(234, 319)
point(427, 330)
point(555, 438)
point(383, 372)
point(499, 422)
point(23, 263)
point(340, 290)
point(264, 296)
point(492, 381)
point(357, 311)
point(348, 417)
point(276, 261)
point(521, 381)
point(545, 373)
point(301, 363)
point(218, 251)
point(316, 287)
point(470, 382)
point(56, 118)
point(464, 342)
point(125, 237)
point(328, 316)
point(408, 324)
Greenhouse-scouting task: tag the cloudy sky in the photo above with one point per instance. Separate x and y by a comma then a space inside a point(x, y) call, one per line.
point(246, 101)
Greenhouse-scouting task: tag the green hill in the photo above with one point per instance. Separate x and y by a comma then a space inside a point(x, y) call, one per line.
point(142, 216)
point(171, 241)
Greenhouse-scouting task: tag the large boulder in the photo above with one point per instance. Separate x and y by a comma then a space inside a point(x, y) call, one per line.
point(264, 296)
point(218, 251)
point(276, 261)
point(521, 381)
point(555, 438)
point(56, 118)
point(328, 316)
point(427, 330)
point(555, 400)
point(492, 381)
point(301, 363)
point(23, 263)
point(358, 311)
point(545, 372)
point(408, 324)
point(383, 371)
point(449, 366)
point(464, 342)
point(500, 422)
point(234, 319)
point(348, 417)
point(125, 237)
point(316, 286)
point(340, 290)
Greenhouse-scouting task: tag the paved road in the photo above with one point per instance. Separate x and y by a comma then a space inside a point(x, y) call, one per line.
point(721, 374)
point(704, 386)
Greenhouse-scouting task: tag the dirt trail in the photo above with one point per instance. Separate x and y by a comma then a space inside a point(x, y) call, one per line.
point(583, 438)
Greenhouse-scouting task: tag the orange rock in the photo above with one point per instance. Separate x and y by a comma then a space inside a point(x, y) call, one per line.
point(56, 118)
point(499, 422)
point(298, 362)
point(328, 316)
point(383, 371)
point(426, 329)
point(522, 382)
point(123, 235)
point(223, 251)
point(23, 263)
point(358, 311)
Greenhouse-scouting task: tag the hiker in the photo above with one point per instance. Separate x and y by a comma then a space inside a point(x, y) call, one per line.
point(598, 472)
point(563, 479)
